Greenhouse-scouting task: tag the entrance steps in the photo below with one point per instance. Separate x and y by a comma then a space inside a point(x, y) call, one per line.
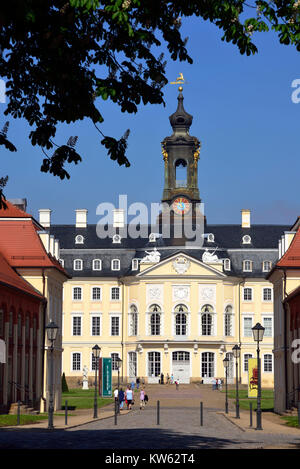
point(24, 409)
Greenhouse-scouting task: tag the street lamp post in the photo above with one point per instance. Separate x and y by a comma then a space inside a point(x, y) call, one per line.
point(96, 354)
point(258, 334)
point(236, 353)
point(119, 363)
point(51, 329)
point(226, 363)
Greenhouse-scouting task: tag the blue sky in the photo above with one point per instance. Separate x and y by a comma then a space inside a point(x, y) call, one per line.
point(243, 116)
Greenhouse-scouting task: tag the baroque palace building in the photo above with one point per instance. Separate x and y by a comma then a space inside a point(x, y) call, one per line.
point(161, 303)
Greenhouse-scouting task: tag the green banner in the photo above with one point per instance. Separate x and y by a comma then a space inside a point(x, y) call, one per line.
point(106, 377)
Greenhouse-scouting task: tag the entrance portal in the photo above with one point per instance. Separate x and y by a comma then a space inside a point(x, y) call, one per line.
point(181, 366)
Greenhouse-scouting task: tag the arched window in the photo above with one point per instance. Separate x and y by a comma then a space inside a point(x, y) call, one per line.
point(267, 266)
point(181, 320)
point(132, 365)
point(226, 264)
point(247, 266)
point(181, 173)
point(207, 320)
point(115, 264)
point(78, 264)
point(228, 321)
point(133, 320)
point(97, 264)
point(155, 320)
point(246, 239)
point(79, 239)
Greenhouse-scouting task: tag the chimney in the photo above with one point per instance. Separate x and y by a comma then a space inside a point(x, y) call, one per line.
point(45, 217)
point(81, 218)
point(118, 218)
point(246, 218)
point(51, 245)
point(19, 203)
point(56, 249)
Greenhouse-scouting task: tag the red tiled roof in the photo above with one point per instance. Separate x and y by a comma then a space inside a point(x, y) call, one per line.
point(13, 212)
point(9, 277)
point(291, 257)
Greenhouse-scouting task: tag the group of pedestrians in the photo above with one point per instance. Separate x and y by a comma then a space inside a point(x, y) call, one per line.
point(217, 384)
point(127, 397)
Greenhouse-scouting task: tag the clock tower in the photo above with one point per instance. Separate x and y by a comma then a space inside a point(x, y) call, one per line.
point(181, 154)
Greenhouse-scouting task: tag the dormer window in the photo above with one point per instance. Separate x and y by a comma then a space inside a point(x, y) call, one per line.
point(246, 239)
point(267, 266)
point(78, 264)
point(152, 238)
point(135, 264)
point(79, 239)
point(115, 264)
point(211, 238)
point(226, 264)
point(116, 238)
point(247, 266)
point(97, 264)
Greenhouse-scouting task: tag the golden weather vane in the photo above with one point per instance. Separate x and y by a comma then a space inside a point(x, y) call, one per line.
point(179, 81)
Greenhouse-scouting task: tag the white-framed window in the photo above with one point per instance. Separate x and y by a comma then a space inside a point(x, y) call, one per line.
point(207, 364)
point(181, 320)
point(115, 264)
point(79, 239)
point(77, 293)
point(96, 325)
point(114, 357)
point(97, 264)
point(268, 363)
point(76, 361)
point(155, 320)
point(228, 321)
point(268, 325)
point(116, 239)
point(96, 294)
point(247, 325)
point(134, 264)
point(133, 321)
point(93, 363)
point(246, 239)
point(246, 361)
point(226, 264)
point(247, 294)
point(247, 266)
point(154, 364)
point(132, 364)
point(267, 265)
point(207, 320)
point(267, 294)
point(76, 325)
point(77, 264)
point(115, 293)
point(115, 325)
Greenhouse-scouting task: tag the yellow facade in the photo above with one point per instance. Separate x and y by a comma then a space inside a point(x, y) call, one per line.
point(160, 284)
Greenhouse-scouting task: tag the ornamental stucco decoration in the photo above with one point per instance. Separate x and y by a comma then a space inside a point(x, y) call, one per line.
point(181, 264)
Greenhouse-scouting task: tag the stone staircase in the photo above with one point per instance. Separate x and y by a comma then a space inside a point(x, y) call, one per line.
point(24, 409)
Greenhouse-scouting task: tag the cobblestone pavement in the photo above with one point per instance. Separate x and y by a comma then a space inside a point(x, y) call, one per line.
point(179, 428)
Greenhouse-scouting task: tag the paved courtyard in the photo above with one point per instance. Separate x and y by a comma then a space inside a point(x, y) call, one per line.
point(179, 427)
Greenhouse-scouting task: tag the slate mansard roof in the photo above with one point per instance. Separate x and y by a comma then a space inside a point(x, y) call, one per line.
point(227, 241)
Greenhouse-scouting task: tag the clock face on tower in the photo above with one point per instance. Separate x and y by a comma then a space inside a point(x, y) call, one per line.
point(181, 205)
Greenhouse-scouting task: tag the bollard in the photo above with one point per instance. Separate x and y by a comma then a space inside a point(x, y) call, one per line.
point(157, 412)
point(66, 412)
point(116, 413)
point(299, 414)
point(18, 412)
point(250, 414)
point(201, 414)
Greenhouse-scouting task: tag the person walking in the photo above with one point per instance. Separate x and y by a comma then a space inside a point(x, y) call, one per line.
point(121, 398)
point(137, 383)
point(177, 384)
point(132, 385)
point(172, 378)
point(168, 378)
point(143, 381)
point(142, 399)
point(129, 397)
point(220, 384)
point(214, 384)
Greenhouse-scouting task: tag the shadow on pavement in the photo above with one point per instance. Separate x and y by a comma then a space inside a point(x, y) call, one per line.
point(137, 438)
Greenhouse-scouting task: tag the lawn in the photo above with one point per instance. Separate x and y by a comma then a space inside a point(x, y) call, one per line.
point(83, 399)
point(291, 421)
point(267, 399)
point(7, 420)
